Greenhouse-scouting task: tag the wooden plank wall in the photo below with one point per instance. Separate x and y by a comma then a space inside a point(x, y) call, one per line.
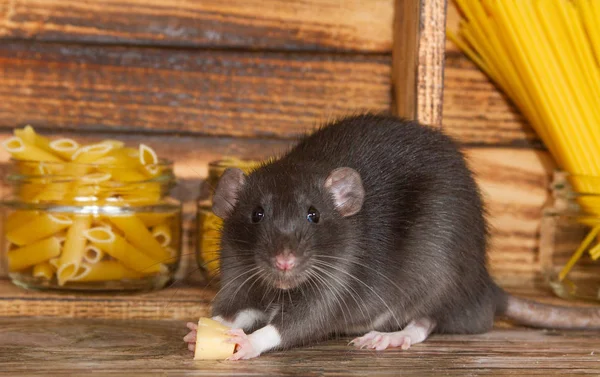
point(201, 80)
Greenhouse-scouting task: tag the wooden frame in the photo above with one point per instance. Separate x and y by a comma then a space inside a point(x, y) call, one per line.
point(418, 59)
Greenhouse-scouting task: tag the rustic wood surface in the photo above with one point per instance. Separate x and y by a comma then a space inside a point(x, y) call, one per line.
point(474, 110)
point(41, 346)
point(418, 59)
point(143, 90)
point(183, 301)
point(340, 25)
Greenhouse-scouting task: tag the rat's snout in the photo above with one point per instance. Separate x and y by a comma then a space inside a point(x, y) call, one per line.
point(285, 261)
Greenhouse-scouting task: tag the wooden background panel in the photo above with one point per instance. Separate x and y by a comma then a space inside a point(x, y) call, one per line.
point(418, 60)
point(181, 91)
point(340, 25)
point(514, 184)
point(474, 110)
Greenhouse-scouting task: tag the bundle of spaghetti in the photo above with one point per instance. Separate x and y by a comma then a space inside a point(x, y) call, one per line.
point(545, 55)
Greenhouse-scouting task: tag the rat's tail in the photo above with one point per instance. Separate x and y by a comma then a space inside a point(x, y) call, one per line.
point(534, 314)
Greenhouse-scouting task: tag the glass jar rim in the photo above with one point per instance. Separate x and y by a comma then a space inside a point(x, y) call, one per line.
point(161, 162)
point(164, 170)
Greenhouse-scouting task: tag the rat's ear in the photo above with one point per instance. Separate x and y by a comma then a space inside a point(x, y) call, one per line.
point(226, 193)
point(346, 187)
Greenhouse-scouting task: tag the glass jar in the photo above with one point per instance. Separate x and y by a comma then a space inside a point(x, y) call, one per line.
point(208, 241)
point(216, 169)
point(208, 224)
point(101, 226)
point(570, 237)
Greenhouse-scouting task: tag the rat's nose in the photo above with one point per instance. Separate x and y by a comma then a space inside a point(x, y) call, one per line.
point(285, 262)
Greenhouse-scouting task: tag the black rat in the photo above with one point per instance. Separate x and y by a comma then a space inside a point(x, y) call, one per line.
point(372, 226)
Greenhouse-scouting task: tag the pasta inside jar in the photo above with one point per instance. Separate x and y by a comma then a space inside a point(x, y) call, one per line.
point(89, 217)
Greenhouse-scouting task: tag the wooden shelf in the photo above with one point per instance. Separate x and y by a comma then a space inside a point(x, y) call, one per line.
point(187, 301)
point(181, 303)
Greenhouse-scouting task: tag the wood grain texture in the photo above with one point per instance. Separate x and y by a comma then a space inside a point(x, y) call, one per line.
point(44, 346)
point(181, 301)
point(275, 95)
point(514, 184)
point(333, 25)
point(418, 59)
point(475, 110)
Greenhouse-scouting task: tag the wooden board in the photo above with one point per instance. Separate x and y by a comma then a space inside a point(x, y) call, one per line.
point(475, 111)
point(34, 347)
point(340, 25)
point(145, 90)
point(55, 346)
point(418, 59)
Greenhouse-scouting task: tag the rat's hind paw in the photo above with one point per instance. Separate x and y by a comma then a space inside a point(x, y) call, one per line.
point(245, 349)
point(190, 338)
point(415, 332)
point(380, 340)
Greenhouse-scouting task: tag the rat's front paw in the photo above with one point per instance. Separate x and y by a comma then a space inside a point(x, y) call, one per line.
point(245, 349)
point(190, 338)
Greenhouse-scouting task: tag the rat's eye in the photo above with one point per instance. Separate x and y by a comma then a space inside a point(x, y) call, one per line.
point(258, 214)
point(313, 215)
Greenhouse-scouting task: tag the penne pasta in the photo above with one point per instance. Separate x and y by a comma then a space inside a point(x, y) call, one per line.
point(162, 234)
point(153, 219)
point(118, 248)
point(138, 235)
point(126, 157)
point(73, 249)
point(91, 153)
point(115, 144)
point(124, 174)
point(149, 160)
point(18, 218)
point(106, 271)
point(43, 270)
point(32, 254)
point(23, 151)
point(92, 254)
point(65, 148)
point(45, 225)
point(54, 262)
point(29, 136)
point(53, 192)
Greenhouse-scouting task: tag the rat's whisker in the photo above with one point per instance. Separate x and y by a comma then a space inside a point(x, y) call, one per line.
point(365, 285)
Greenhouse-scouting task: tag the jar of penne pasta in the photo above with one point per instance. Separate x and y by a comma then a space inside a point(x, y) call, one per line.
point(570, 237)
point(91, 217)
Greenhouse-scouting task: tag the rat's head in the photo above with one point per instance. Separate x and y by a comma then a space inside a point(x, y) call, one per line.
point(279, 220)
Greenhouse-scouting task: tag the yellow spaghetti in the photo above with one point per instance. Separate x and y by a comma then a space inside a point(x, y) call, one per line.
point(545, 55)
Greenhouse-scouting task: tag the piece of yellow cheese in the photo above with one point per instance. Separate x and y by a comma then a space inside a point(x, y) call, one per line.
point(211, 341)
